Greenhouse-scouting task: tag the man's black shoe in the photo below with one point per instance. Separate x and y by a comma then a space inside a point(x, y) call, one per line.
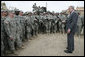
point(67, 51)
point(67, 48)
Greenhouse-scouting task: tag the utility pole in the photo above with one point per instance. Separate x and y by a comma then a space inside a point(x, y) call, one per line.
point(46, 5)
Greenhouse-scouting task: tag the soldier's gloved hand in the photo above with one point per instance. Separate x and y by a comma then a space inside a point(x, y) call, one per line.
point(11, 38)
point(63, 21)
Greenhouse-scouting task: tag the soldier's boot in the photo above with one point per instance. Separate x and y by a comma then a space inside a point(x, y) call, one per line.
point(25, 40)
point(28, 37)
point(2, 54)
point(17, 48)
point(13, 52)
point(22, 47)
point(36, 33)
point(7, 52)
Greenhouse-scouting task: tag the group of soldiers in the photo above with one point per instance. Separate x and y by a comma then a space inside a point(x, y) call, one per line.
point(18, 27)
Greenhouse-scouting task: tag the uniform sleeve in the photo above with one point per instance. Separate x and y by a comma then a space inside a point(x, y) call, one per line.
point(7, 28)
point(82, 19)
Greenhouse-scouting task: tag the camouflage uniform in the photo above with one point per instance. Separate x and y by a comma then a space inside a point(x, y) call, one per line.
point(12, 30)
point(35, 23)
point(79, 25)
point(18, 31)
point(47, 23)
point(2, 37)
point(31, 19)
point(3, 33)
point(56, 20)
point(10, 27)
point(22, 24)
point(61, 25)
point(40, 21)
point(49, 17)
point(53, 24)
point(82, 17)
point(28, 27)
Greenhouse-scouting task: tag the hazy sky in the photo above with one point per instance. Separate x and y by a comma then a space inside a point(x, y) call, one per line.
point(56, 6)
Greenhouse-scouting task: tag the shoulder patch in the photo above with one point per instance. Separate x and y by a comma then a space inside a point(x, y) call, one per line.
point(6, 22)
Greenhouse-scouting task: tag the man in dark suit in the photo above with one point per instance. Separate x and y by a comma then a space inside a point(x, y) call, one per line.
point(71, 24)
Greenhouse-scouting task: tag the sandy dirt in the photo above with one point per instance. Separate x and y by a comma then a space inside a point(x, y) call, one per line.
point(50, 45)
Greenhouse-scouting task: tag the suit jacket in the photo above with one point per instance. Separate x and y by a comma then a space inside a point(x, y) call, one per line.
point(71, 22)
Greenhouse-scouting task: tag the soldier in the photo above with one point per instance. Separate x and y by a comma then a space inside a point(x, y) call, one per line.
point(40, 22)
point(32, 24)
point(28, 26)
point(82, 18)
point(53, 23)
point(47, 23)
point(36, 19)
point(2, 38)
point(10, 27)
point(79, 24)
point(61, 24)
point(18, 32)
point(5, 41)
point(56, 21)
point(44, 23)
point(50, 22)
point(22, 24)
point(2, 33)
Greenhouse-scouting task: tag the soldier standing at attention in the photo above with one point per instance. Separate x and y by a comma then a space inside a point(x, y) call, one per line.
point(10, 27)
point(28, 27)
point(2, 33)
point(79, 25)
point(18, 32)
point(22, 24)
